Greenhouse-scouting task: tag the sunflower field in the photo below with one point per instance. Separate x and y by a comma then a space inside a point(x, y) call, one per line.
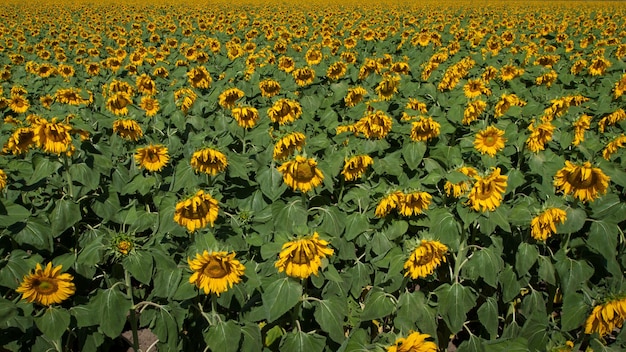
point(313, 176)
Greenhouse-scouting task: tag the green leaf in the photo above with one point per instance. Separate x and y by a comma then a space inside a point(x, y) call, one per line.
point(509, 283)
point(573, 273)
point(12, 213)
point(575, 220)
point(381, 244)
point(273, 334)
point(166, 281)
point(331, 221)
point(65, 214)
point(139, 264)
point(287, 216)
point(474, 344)
point(165, 328)
point(445, 227)
point(35, 232)
point(414, 310)
point(485, 263)
point(378, 304)
point(85, 175)
point(16, 266)
point(330, 314)
point(518, 344)
point(357, 341)
point(488, 316)
point(223, 336)
point(252, 340)
point(525, 257)
point(396, 228)
point(85, 315)
point(44, 167)
point(184, 177)
point(271, 183)
point(413, 153)
point(279, 297)
point(574, 312)
point(546, 270)
point(106, 205)
point(356, 224)
point(113, 307)
point(500, 217)
point(535, 329)
point(454, 302)
point(298, 341)
point(602, 238)
point(54, 322)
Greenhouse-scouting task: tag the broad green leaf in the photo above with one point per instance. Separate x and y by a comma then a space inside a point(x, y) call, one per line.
point(396, 228)
point(546, 270)
point(86, 315)
point(139, 264)
point(414, 310)
point(485, 263)
point(454, 302)
point(602, 238)
point(287, 216)
point(356, 342)
point(474, 344)
point(271, 183)
point(85, 175)
point(54, 322)
point(518, 344)
point(380, 243)
point(356, 224)
point(488, 316)
point(509, 283)
point(330, 314)
point(165, 328)
point(65, 214)
point(378, 304)
point(35, 232)
point(535, 329)
point(43, 167)
point(525, 257)
point(15, 267)
point(12, 213)
point(575, 220)
point(106, 206)
point(252, 340)
point(166, 281)
point(298, 341)
point(573, 273)
point(574, 312)
point(280, 296)
point(412, 153)
point(113, 307)
point(224, 336)
point(445, 227)
point(331, 221)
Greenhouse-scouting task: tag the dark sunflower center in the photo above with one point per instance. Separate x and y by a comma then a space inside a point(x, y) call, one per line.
point(576, 180)
point(300, 257)
point(215, 269)
point(425, 258)
point(45, 286)
point(304, 171)
point(490, 141)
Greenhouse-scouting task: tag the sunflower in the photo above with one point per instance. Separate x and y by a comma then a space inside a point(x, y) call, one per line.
point(286, 63)
point(284, 111)
point(355, 166)
point(70, 96)
point(149, 105)
point(302, 257)
point(400, 68)
point(425, 258)
point(486, 193)
point(66, 71)
point(460, 188)
point(3, 179)
point(473, 110)
point(269, 87)
point(416, 105)
point(388, 87)
point(506, 101)
point(606, 317)
point(509, 72)
point(209, 161)
point(246, 116)
point(613, 145)
point(583, 181)
point(53, 136)
point(185, 98)
point(199, 77)
point(374, 126)
point(46, 101)
point(301, 173)
point(547, 78)
point(489, 141)
point(145, 85)
point(118, 103)
point(336, 70)
point(20, 141)
point(18, 103)
point(390, 202)
point(354, 96)
point(228, 97)
point(424, 129)
point(611, 119)
point(196, 212)
point(313, 57)
point(414, 203)
point(620, 87)
point(598, 66)
point(287, 145)
point(475, 87)
point(544, 225)
point(92, 68)
point(215, 272)
point(45, 70)
point(415, 342)
point(152, 158)
point(47, 286)
point(580, 126)
point(128, 129)
point(304, 76)
point(539, 136)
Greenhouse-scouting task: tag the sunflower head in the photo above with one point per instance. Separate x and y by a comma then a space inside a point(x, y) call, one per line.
point(209, 160)
point(288, 144)
point(489, 141)
point(215, 272)
point(415, 341)
point(152, 157)
point(487, 192)
point(355, 166)
point(47, 286)
point(585, 182)
point(301, 173)
point(424, 129)
point(228, 97)
point(544, 225)
point(425, 258)
point(128, 129)
point(246, 116)
point(302, 257)
point(196, 212)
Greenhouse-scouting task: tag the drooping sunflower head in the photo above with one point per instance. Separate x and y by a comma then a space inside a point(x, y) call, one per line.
point(606, 317)
point(47, 286)
point(228, 97)
point(18, 104)
point(583, 181)
point(414, 203)
point(215, 272)
point(304, 76)
point(415, 342)
point(301, 258)
point(336, 70)
point(284, 111)
point(425, 258)
point(425, 128)
point(199, 77)
point(196, 212)
point(489, 141)
point(356, 166)
point(152, 157)
point(128, 129)
point(21, 140)
point(598, 66)
point(487, 192)
point(390, 202)
point(301, 173)
point(544, 225)
point(375, 126)
point(145, 85)
point(354, 96)
point(246, 116)
point(118, 103)
point(388, 87)
point(209, 161)
point(475, 87)
point(287, 145)
point(52, 136)
point(269, 87)
point(460, 188)
point(3, 179)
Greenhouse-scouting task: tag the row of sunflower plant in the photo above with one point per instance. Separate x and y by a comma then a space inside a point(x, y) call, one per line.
point(320, 177)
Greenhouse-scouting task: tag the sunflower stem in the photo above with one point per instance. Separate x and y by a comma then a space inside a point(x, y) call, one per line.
point(68, 177)
point(459, 258)
point(133, 313)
